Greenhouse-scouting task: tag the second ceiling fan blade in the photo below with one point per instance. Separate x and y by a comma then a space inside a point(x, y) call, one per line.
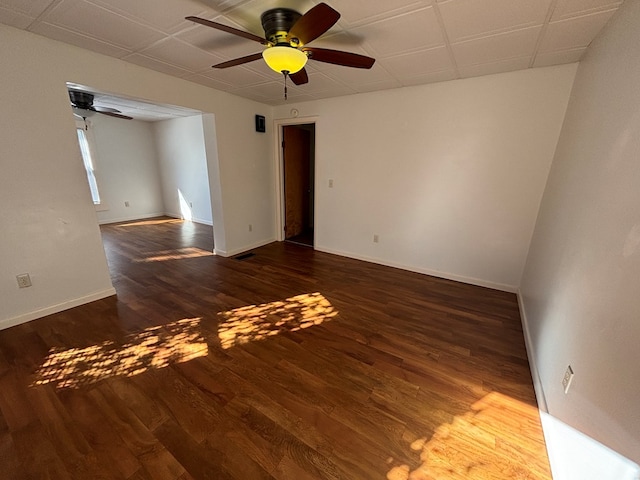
point(228, 29)
point(300, 78)
point(314, 23)
point(239, 61)
point(113, 114)
point(338, 57)
point(105, 109)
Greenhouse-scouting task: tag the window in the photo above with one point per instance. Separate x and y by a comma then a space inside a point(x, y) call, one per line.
point(88, 165)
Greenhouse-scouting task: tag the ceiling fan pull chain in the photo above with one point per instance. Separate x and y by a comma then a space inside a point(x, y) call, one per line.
point(285, 73)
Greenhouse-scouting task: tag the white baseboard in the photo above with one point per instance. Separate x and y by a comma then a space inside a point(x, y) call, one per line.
point(236, 251)
point(130, 218)
point(533, 366)
point(434, 273)
point(76, 302)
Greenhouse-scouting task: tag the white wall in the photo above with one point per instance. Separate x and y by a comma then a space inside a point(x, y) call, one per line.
point(449, 175)
point(582, 277)
point(126, 168)
point(183, 168)
point(49, 226)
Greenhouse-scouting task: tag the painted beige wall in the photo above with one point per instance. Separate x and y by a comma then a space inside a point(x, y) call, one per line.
point(449, 175)
point(48, 222)
point(582, 277)
point(183, 167)
point(126, 166)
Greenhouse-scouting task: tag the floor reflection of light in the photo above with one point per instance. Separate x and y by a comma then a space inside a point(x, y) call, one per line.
point(153, 348)
point(500, 437)
point(177, 254)
point(150, 222)
point(257, 322)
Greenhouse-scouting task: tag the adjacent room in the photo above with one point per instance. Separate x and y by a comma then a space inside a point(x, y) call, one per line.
point(413, 254)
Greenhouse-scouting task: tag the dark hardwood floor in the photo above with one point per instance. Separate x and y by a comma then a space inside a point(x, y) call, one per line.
point(289, 364)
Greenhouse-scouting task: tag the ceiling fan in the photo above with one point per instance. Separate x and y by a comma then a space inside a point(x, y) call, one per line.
point(287, 34)
point(82, 104)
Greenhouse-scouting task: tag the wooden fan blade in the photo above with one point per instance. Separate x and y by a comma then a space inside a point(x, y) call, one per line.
point(228, 29)
point(337, 57)
point(117, 115)
point(300, 77)
point(239, 61)
point(314, 23)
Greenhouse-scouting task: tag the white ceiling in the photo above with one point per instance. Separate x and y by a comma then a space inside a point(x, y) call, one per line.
point(413, 41)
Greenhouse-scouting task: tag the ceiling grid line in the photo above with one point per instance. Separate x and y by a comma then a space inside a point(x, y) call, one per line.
point(543, 31)
point(447, 41)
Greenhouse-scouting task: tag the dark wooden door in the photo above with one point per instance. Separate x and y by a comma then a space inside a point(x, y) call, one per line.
point(297, 182)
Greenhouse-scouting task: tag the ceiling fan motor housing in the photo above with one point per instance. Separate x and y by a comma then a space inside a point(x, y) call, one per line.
point(82, 100)
point(277, 22)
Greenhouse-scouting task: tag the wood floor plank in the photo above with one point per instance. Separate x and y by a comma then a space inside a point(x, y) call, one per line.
point(291, 364)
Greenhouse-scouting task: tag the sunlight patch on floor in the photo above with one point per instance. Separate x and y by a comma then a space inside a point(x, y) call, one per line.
point(139, 223)
point(153, 348)
point(500, 437)
point(257, 322)
point(176, 254)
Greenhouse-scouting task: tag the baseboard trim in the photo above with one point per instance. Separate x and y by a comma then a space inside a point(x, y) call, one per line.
point(533, 366)
point(434, 273)
point(131, 218)
point(236, 251)
point(76, 302)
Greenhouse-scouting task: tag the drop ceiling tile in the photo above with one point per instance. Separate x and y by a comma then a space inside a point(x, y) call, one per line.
point(168, 18)
point(271, 90)
point(96, 22)
point(237, 77)
point(497, 67)
point(573, 8)
point(403, 33)
point(559, 58)
point(31, 8)
point(418, 63)
point(465, 19)
point(251, 94)
point(518, 44)
point(347, 41)
point(282, 101)
point(357, 12)
point(573, 33)
point(376, 86)
point(82, 41)
point(14, 19)
point(156, 65)
point(321, 82)
point(353, 77)
point(442, 76)
point(180, 54)
point(224, 45)
point(209, 82)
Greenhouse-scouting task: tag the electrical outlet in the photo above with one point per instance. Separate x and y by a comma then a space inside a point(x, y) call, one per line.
point(330, 183)
point(568, 377)
point(250, 228)
point(190, 204)
point(375, 238)
point(126, 204)
point(24, 280)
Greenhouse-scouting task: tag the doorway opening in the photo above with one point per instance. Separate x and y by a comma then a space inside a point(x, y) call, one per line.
point(298, 180)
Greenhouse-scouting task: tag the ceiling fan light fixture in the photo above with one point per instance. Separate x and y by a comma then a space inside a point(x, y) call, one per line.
point(282, 58)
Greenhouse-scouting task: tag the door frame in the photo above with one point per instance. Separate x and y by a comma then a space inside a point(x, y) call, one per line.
point(279, 169)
